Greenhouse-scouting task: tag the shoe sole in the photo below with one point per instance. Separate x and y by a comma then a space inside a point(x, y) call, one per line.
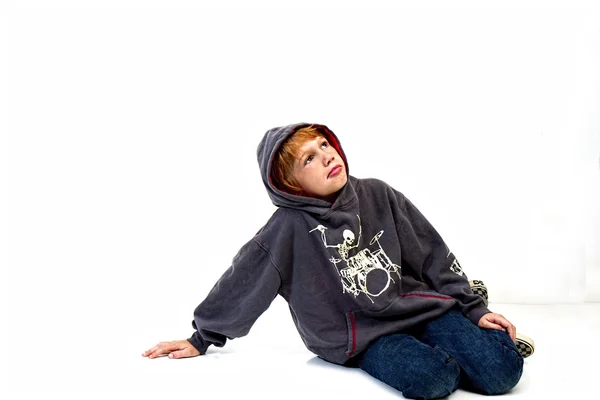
point(525, 345)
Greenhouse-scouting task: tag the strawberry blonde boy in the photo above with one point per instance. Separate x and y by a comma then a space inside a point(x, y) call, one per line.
point(369, 282)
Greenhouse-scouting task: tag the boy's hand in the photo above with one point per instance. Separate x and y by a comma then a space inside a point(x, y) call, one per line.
point(497, 321)
point(175, 349)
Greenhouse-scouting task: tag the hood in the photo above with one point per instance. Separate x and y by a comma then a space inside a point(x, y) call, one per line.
point(266, 151)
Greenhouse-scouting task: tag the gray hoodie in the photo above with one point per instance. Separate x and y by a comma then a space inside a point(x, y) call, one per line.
point(368, 265)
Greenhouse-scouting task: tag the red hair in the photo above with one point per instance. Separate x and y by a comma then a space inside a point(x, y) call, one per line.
point(282, 170)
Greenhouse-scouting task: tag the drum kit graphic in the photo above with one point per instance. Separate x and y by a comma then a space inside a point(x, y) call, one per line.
point(367, 264)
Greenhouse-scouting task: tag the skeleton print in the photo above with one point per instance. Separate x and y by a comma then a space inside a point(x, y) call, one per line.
point(366, 264)
point(455, 267)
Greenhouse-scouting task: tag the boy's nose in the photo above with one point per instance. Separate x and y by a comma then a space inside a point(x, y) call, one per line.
point(327, 159)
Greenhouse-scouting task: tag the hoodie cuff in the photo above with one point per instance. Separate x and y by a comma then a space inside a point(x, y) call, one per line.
point(476, 314)
point(196, 341)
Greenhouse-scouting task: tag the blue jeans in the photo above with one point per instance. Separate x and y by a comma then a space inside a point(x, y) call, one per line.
point(434, 359)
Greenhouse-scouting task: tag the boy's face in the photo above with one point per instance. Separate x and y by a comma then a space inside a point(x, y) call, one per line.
point(319, 169)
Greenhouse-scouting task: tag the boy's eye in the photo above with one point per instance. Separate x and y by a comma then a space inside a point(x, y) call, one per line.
point(324, 144)
point(308, 160)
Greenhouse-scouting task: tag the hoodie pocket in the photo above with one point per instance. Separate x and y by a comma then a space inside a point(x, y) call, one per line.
point(404, 312)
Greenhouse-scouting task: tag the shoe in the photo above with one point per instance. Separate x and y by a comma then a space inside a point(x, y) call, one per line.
point(479, 288)
point(525, 345)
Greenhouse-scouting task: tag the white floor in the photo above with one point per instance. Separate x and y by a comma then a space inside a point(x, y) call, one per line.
point(271, 363)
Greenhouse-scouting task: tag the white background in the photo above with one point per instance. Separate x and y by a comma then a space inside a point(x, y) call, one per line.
point(130, 131)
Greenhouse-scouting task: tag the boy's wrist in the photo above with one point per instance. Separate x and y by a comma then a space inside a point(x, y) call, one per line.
point(198, 343)
point(478, 312)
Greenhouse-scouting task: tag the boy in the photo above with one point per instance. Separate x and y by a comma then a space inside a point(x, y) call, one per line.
point(369, 282)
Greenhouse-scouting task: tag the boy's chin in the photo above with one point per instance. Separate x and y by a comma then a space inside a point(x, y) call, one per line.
point(338, 184)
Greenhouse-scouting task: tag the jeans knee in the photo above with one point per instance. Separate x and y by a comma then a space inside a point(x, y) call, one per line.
point(433, 383)
point(511, 374)
point(505, 375)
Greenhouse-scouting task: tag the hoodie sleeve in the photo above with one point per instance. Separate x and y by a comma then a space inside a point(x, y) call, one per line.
point(423, 248)
point(238, 298)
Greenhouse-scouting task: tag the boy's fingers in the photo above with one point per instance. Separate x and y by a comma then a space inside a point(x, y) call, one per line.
point(512, 332)
point(491, 325)
point(177, 354)
point(156, 353)
point(166, 348)
point(151, 350)
point(503, 324)
point(510, 328)
point(175, 349)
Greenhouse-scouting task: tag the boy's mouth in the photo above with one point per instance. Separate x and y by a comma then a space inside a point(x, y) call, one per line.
point(334, 171)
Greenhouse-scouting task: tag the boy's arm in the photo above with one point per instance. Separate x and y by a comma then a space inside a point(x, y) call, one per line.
point(238, 298)
point(424, 249)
